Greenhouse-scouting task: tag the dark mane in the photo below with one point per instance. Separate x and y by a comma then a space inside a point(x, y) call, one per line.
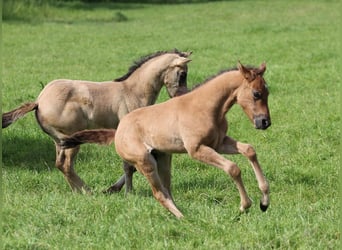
point(219, 73)
point(146, 58)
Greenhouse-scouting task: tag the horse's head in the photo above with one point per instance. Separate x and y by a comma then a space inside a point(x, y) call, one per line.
point(253, 96)
point(175, 77)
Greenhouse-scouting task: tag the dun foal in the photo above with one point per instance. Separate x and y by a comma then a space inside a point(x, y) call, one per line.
point(67, 106)
point(194, 123)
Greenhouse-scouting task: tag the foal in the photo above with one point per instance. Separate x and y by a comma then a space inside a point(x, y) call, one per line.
point(194, 123)
point(67, 106)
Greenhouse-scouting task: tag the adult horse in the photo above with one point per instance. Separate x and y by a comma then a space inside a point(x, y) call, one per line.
point(66, 106)
point(194, 123)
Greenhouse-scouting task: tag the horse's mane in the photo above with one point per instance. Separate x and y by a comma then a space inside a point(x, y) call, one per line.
point(146, 58)
point(220, 73)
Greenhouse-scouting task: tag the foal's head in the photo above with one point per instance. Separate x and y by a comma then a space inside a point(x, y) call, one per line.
point(253, 95)
point(175, 77)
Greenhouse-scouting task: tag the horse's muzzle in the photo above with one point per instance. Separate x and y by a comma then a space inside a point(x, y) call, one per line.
point(181, 91)
point(262, 122)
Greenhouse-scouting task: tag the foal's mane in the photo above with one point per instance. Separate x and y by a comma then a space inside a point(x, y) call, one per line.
point(220, 73)
point(146, 58)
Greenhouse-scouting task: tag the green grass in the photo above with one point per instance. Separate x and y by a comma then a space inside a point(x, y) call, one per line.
point(299, 153)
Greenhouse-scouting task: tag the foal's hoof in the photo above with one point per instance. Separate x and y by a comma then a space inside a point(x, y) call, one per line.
point(112, 189)
point(263, 207)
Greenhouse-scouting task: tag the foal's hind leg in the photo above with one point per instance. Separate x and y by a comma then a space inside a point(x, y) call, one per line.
point(129, 171)
point(148, 167)
point(164, 169)
point(65, 163)
point(230, 146)
point(126, 178)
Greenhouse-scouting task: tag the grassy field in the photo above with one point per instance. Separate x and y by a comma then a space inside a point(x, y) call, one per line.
point(299, 153)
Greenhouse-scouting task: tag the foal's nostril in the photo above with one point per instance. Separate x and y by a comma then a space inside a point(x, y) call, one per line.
point(265, 123)
point(262, 122)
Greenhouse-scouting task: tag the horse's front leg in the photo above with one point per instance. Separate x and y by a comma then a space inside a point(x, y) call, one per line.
point(210, 156)
point(230, 146)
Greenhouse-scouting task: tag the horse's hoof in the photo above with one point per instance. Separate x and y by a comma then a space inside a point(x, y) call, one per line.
point(263, 207)
point(112, 189)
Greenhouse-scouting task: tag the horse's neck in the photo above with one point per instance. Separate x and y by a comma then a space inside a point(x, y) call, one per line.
point(219, 95)
point(145, 90)
point(146, 82)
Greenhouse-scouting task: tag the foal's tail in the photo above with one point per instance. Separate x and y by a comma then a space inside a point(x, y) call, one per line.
point(10, 117)
point(98, 136)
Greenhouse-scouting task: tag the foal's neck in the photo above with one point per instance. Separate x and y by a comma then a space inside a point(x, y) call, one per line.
point(146, 82)
point(219, 94)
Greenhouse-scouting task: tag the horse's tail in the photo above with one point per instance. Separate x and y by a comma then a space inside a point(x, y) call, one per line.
point(10, 117)
point(98, 136)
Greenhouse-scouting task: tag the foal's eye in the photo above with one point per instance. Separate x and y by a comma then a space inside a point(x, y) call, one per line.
point(256, 95)
point(182, 77)
point(183, 74)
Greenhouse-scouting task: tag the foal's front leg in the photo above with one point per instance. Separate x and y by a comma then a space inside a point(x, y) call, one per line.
point(230, 146)
point(210, 156)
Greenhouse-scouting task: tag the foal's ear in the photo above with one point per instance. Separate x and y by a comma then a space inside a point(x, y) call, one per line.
point(187, 54)
point(261, 69)
point(180, 61)
point(247, 74)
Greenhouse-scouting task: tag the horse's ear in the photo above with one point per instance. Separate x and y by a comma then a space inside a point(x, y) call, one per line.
point(187, 60)
point(247, 74)
point(187, 54)
point(180, 61)
point(262, 69)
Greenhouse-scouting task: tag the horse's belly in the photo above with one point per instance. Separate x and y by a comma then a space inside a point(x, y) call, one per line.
point(107, 120)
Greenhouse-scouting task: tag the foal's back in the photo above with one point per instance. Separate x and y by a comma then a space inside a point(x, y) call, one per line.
point(161, 126)
point(67, 106)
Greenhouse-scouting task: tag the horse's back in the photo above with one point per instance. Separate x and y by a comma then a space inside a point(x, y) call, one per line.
point(67, 106)
point(152, 127)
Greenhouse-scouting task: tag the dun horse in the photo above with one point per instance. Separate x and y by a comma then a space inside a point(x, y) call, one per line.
point(67, 106)
point(194, 123)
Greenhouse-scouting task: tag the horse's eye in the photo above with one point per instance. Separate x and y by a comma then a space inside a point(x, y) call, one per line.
point(256, 95)
point(182, 77)
point(183, 74)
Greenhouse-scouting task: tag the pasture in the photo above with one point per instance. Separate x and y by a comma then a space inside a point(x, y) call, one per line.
point(299, 153)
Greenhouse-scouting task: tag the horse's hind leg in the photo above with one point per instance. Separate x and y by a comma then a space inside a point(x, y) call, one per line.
point(230, 146)
point(117, 186)
point(129, 171)
point(148, 167)
point(65, 163)
point(126, 178)
point(164, 169)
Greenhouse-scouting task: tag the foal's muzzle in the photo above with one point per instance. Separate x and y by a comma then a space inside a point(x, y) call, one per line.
point(177, 91)
point(262, 121)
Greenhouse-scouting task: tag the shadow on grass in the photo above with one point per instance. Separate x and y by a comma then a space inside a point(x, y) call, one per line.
point(38, 11)
point(36, 154)
point(95, 6)
point(27, 153)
